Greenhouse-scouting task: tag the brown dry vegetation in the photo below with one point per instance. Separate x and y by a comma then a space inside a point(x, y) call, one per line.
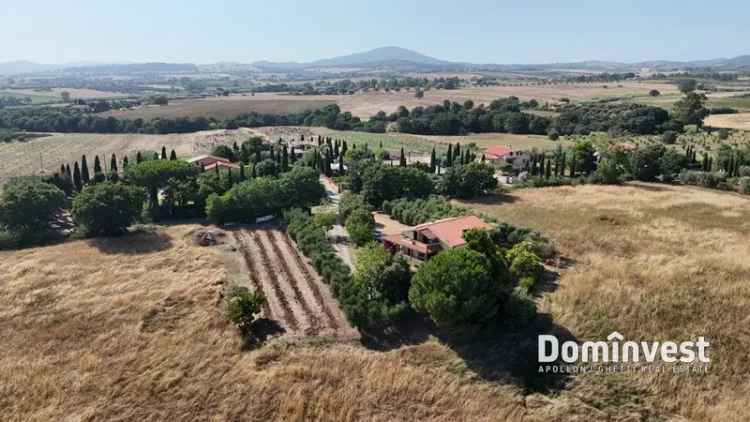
point(224, 107)
point(132, 328)
point(26, 158)
point(653, 262)
point(732, 121)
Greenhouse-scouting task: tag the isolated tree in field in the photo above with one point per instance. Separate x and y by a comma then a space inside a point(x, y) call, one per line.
point(163, 153)
point(243, 306)
point(138, 158)
point(107, 208)
point(654, 93)
point(85, 178)
point(457, 290)
point(29, 206)
point(173, 155)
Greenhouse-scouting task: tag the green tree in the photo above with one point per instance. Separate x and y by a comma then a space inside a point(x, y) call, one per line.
point(457, 290)
point(29, 205)
point(691, 110)
point(107, 208)
point(155, 174)
point(384, 279)
point(243, 306)
point(687, 86)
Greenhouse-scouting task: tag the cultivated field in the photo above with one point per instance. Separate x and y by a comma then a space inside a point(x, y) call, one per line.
point(366, 104)
point(45, 154)
point(223, 107)
point(652, 262)
point(54, 94)
point(298, 300)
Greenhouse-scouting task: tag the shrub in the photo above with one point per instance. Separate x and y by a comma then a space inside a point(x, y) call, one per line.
point(525, 265)
point(29, 205)
point(457, 290)
point(325, 220)
point(418, 211)
point(744, 185)
point(669, 137)
point(243, 306)
point(702, 178)
point(107, 208)
point(724, 134)
point(608, 172)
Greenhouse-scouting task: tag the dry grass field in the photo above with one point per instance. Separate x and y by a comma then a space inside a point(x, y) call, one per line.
point(47, 153)
point(367, 104)
point(732, 121)
point(223, 107)
point(54, 94)
point(653, 262)
point(133, 329)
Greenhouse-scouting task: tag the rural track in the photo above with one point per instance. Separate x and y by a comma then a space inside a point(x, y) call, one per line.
point(253, 273)
point(293, 283)
point(310, 280)
point(289, 316)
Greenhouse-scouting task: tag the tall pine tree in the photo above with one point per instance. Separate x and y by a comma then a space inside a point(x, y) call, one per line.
point(85, 177)
point(163, 153)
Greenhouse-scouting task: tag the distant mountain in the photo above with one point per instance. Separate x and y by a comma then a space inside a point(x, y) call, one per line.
point(379, 56)
point(383, 57)
point(19, 67)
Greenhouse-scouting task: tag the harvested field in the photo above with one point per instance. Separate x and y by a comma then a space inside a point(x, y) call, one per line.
point(224, 107)
point(45, 154)
point(54, 94)
point(732, 121)
point(297, 297)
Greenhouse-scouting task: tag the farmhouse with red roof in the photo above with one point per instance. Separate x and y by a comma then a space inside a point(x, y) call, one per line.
point(426, 240)
point(503, 155)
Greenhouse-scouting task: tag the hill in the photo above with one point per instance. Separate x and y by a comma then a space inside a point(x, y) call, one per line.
point(378, 56)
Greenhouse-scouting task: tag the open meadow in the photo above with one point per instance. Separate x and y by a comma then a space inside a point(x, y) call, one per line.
point(225, 107)
point(732, 121)
point(651, 262)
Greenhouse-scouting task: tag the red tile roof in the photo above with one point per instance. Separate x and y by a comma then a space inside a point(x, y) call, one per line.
point(451, 230)
point(399, 239)
point(498, 151)
point(221, 164)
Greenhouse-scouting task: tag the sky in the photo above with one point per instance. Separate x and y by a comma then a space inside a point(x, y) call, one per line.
point(478, 31)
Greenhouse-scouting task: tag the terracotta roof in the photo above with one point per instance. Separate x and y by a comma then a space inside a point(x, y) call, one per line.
point(498, 151)
point(221, 164)
point(451, 230)
point(204, 157)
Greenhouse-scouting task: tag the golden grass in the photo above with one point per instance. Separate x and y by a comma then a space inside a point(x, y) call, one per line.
point(130, 329)
point(225, 107)
point(653, 262)
point(732, 121)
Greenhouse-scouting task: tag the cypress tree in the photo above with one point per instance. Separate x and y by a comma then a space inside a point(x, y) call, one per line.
point(125, 162)
point(548, 169)
point(163, 153)
point(113, 168)
point(242, 173)
point(97, 165)
point(344, 148)
point(77, 182)
point(68, 173)
point(62, 170)
point(138, 158)
point(284, 159)
point(216, 169)
point(563, 157)
point(483, 158)
point(432, 160)
point(341, 164)
point(173, 155)
point(457, 152)
point(258, 156)
point(85, 177)
point(402, 160)
point(573, 166)
point(253, 174)
point(272, 155)
point(449, 156)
